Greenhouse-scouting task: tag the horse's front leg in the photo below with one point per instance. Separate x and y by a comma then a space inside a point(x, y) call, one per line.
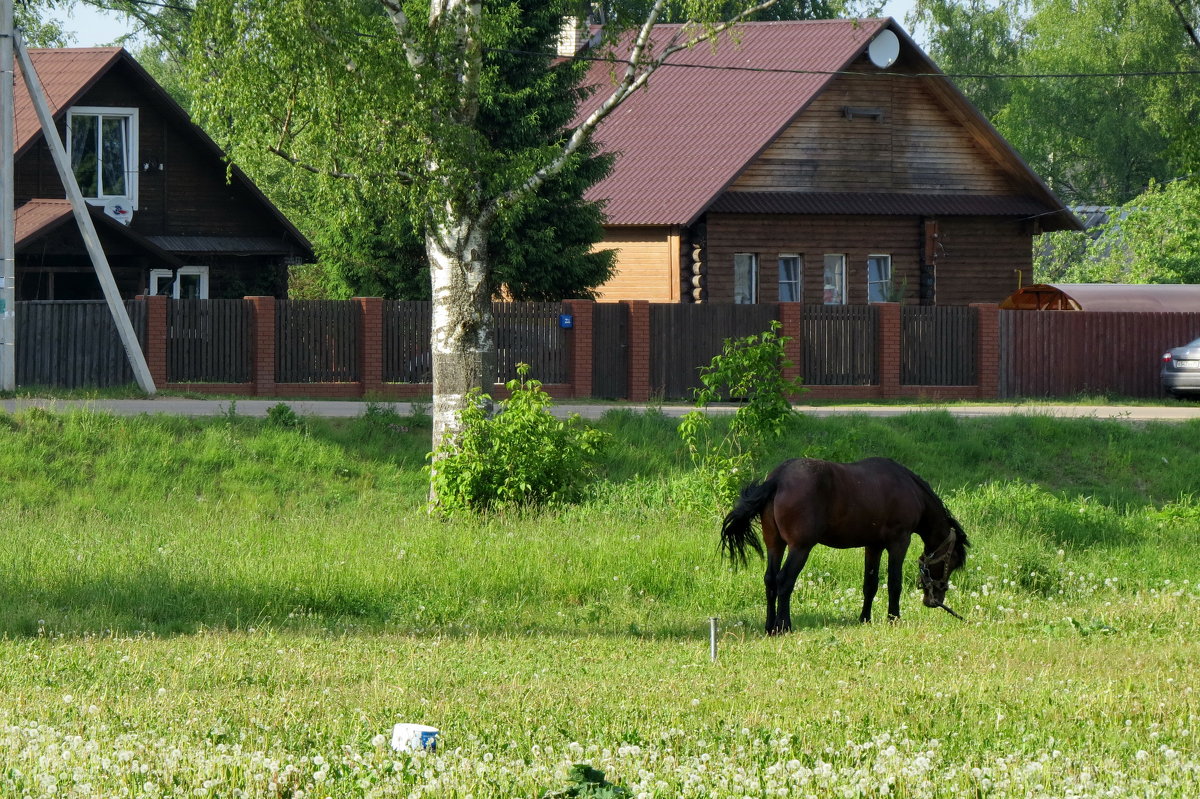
point(896, 553)
point(792, 565)
point(871, 558)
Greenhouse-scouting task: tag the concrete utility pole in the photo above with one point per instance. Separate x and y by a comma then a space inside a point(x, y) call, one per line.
point(83, 218)
point(8, 268)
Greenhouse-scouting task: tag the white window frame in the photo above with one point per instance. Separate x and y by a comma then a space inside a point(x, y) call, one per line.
point(92, 193)
point(739, 295)
point(839, 283)
point(878, 290)
point(794, 280)
point(156, 275)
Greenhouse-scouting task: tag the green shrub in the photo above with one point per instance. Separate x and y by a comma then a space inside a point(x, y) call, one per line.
point(281, 415)
point(520, 456)
point(749, 369)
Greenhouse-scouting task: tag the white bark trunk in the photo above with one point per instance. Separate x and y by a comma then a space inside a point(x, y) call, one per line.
point(463, 342)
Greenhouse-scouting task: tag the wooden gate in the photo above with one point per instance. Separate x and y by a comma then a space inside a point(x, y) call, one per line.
point(74, 344)
point(839, 343)
point(685, 337)
point(937, 345)
point(316, 341)
point(209, 341)
point(610, 350)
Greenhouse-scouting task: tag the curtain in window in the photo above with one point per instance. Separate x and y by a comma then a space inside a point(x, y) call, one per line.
point(745, 278)
point(835, 280)
point(84, 157)
point(879, 277)
point(789, 278)
point(112, 158)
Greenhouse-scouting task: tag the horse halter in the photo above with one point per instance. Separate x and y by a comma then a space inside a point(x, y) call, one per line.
point(941, 555)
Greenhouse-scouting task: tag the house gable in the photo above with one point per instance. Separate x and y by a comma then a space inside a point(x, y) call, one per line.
point(864, 134)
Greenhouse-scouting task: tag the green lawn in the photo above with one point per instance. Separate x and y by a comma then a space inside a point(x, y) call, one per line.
point(220, 607)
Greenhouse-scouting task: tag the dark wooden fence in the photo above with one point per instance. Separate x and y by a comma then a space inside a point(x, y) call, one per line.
point(406, 327)
point(686, 337)
point(839, 344)
point(938, 345)
point(316, 341)
point(1064, 353)
point(209, 341)
point(529, 332)
point(73, 344)
point(610, 351)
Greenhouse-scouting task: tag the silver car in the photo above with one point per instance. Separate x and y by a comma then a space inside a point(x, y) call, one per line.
point(1181, 370)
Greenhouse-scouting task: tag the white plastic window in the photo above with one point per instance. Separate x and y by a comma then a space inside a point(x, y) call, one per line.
point(790, 269)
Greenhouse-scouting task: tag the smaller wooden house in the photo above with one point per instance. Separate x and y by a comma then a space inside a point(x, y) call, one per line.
point(168, 219)
point(820, 162)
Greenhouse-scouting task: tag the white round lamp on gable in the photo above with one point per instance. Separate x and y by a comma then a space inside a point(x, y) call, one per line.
point(884, 49)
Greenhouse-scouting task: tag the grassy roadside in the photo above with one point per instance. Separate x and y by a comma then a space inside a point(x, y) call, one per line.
point(216, 601)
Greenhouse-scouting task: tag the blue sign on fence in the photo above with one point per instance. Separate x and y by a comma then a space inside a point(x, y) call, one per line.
point(566, 321)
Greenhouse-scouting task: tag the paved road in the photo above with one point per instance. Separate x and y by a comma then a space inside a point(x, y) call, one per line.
point(349, 408)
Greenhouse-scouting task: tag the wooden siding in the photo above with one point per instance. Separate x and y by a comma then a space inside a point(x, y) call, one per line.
point(917, 147)
point(811, 237)
point(647, 265)
point(982, 259)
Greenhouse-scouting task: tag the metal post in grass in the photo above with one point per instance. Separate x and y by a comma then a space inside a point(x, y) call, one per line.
point(712, 638)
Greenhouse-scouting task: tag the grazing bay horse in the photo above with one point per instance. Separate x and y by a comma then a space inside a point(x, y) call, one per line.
point(875, 503)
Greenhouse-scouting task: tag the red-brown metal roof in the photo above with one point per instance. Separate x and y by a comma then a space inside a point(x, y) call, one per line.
point(36, 216)
point(682, 139)
point(65, 75)
point(1105, 297)
point(685, 135)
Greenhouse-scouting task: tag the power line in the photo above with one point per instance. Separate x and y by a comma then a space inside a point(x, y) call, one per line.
point(880, 74)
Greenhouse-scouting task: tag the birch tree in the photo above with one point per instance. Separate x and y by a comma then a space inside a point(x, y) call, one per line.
point(388, 93)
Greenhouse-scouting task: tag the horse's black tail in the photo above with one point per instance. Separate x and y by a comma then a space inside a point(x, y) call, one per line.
point(738, 529)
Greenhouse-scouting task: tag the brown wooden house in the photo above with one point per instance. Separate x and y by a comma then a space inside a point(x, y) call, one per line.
point(168, 219)
point(822, 162)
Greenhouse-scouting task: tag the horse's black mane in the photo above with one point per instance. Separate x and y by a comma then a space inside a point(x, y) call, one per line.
point(961, 542)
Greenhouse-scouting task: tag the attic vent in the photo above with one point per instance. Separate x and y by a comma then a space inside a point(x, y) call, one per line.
point(856, 112)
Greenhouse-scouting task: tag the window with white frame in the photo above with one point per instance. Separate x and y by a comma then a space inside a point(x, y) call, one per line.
point(835, 280)
point(879, 278)
point(186, 283)
point(745, 278)
point(103, 144)
point(790, 269)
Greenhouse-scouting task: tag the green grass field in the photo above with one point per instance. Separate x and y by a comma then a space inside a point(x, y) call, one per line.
point(225, 608)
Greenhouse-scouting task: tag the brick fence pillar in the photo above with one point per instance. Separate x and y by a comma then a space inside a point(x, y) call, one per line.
point(889, 348)
point(156, 337)
point(580, 377)
point(987, 362)
point(790, 316)
point(262, 373)
point(639, 349)
point(370, 344)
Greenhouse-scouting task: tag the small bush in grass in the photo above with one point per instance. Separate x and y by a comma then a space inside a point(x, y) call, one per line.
point(749, 369)
point(281, 415)
point(520, 456)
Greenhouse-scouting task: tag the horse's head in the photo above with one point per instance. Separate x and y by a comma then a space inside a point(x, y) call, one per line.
point(934, 568)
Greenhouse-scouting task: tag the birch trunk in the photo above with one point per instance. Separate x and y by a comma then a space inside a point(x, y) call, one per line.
point(463, 340)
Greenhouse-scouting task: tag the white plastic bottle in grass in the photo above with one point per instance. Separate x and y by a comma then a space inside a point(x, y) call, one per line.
point(412, 737)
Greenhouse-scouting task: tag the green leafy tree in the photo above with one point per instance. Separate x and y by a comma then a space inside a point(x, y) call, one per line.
point(391, 95)
point(1093, 139)
point(1155, 238)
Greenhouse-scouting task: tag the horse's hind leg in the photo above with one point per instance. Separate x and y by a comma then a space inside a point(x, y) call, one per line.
point(796, 558)
point(775, 549)
point(870, 580)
